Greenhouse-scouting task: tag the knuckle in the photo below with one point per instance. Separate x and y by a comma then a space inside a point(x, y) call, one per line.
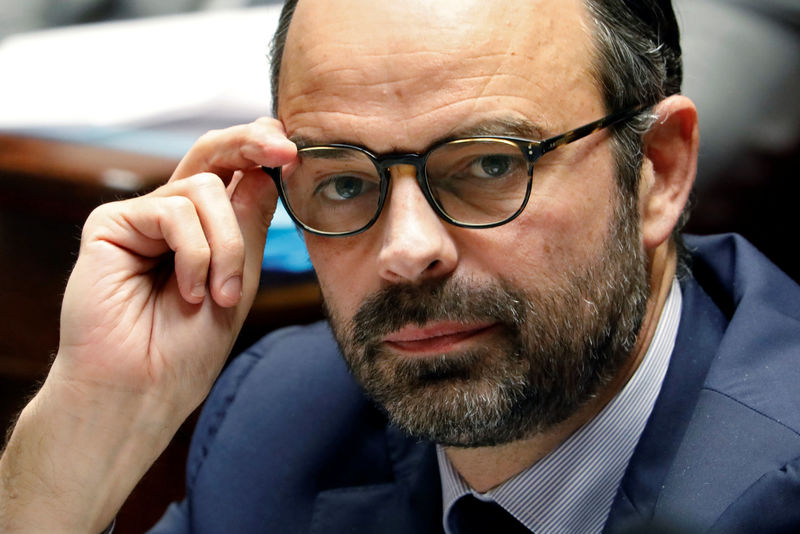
point(266, 121)
point(206, 181)
point(179, 205)
point(198, 253)
point(101, 217)
point(230, 247)
point(208, 139)
point(99, 213)
point(269, 123)
point(269, 129)
point(207, 144)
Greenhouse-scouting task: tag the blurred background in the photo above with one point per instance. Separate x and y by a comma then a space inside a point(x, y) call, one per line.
point(100, 98)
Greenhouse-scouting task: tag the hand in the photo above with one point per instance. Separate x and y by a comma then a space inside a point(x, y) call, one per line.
point(139, 318)
point(161, 287)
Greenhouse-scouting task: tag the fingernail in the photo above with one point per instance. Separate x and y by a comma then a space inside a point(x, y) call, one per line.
point(232, 288)
point(199, 290)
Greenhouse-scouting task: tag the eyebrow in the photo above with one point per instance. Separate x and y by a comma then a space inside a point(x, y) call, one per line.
point(504, 127)
point(500, 127)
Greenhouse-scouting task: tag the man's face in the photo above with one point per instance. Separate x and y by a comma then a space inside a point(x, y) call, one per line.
point(469, 337)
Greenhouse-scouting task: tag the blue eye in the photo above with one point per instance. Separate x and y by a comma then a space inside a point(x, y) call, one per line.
point(345, 187)
point(492, 166)
point(348, 187)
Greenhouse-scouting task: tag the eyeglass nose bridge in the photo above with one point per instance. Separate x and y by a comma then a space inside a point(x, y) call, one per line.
point(384, 164)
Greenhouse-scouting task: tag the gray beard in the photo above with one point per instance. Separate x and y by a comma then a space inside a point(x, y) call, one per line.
point(555, 348)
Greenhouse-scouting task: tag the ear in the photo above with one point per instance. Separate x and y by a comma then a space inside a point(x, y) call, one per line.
point(669, 167)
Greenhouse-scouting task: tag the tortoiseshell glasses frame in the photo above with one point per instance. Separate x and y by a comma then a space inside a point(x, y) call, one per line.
point(339, 190)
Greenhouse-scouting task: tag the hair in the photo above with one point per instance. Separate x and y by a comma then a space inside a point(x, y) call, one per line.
point(638, 61)
point(277, 47)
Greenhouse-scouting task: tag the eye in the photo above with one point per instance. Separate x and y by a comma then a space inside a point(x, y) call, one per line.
point(492, 166)
point(345, 187)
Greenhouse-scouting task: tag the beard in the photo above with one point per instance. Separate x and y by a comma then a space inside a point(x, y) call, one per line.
point(552, 350)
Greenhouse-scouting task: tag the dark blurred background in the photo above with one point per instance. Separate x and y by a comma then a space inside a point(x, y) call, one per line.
point(742, 68)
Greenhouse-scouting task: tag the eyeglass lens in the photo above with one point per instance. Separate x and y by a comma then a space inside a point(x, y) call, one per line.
point(474, 182)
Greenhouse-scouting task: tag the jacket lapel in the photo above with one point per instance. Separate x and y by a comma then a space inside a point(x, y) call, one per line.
point(411, 503)
point(715, 431)
point(697, 342)
point(750, 397)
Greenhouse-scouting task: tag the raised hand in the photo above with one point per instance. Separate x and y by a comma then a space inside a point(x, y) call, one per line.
point(160, 290)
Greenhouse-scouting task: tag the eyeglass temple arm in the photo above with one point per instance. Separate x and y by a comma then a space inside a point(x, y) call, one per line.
point(578, 133)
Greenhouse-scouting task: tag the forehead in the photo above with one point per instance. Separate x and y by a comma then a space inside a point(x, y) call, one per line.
point(400, 74)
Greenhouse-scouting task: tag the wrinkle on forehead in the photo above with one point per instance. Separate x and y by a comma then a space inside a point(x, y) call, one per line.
point(498, 126)
point(412, 62)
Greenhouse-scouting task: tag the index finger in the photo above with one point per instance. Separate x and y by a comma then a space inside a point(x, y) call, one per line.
point(222, 152)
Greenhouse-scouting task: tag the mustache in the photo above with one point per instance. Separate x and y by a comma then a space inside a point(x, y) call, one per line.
point(396, 306)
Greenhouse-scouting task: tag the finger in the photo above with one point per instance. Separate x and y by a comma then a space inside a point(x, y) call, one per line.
point(242, 147)
point(210, 198)
point(254, 202)
point(150, 226)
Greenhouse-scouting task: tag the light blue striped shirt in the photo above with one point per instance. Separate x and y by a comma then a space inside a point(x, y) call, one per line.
point(572, 488)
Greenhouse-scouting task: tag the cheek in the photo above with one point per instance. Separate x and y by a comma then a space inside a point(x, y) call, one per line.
point(343, 272)
point(564, 226)
point(578, 202)
point(574, 227)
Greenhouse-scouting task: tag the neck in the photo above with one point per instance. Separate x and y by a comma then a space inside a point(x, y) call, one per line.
point(484, 468)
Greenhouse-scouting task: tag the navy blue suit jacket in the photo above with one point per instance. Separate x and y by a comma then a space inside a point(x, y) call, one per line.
point(288, 443)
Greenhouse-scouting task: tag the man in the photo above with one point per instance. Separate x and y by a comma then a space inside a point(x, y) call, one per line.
point(535, 363)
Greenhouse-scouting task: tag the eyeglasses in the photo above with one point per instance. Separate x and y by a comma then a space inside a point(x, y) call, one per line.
point(476, 182)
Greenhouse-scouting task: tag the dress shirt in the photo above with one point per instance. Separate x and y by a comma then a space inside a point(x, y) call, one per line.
point(572, 488)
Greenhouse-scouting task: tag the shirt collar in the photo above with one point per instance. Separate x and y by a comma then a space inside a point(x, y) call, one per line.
point(572, 488)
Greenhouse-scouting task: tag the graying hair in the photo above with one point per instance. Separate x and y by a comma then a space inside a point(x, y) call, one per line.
point(638, 61)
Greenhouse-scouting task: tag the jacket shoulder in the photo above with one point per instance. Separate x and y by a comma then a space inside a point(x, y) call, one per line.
point(284, 421)
point(742, 445)
point(285, 378)
point(757, 363)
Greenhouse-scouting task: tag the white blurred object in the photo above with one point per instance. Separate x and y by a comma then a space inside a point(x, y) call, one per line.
point(742, 69)
point(211, 65)
point(150, 85)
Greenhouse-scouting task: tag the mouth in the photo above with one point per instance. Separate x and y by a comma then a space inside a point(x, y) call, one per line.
point(436, 338)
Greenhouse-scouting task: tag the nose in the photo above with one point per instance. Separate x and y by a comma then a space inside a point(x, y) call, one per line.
point(416, 244)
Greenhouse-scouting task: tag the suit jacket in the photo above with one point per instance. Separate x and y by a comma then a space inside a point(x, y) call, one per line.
point(287, 441)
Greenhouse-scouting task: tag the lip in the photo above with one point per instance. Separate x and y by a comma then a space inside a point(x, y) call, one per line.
point(435, 338)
